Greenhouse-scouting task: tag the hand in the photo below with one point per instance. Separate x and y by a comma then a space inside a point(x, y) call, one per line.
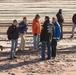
point(24, 32)
point(57, 40)
point(35, 34)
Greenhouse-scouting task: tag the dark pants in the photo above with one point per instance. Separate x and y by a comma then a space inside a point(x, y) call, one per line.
point(61, 25)
point(49, 49)
point(54, 44)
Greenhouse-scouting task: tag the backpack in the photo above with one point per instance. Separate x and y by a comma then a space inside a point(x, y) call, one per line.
point(50, 28)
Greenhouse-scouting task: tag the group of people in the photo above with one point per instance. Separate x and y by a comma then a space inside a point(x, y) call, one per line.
point(47, 34)
point(13, 33)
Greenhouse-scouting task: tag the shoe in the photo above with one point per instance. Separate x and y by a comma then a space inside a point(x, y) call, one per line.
point(11, 58)
point(53, 57)
point(19, 50)
point(48, 58)
point(71, 36)
point(42, 59)
point(15, 56)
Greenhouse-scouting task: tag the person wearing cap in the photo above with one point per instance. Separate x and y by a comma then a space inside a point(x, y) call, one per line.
point(23, 31)
point(56, 36)
point(13, 35)
point(46, 38)
point(36, 30)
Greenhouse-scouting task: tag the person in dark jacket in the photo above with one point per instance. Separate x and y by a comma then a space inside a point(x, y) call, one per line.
point(74, 24)
point(13, 34)
point(60, 20)
point(46, 38)
point(23, 31)
point(56, 36)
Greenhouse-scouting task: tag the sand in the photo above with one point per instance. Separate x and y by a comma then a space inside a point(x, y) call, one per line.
point(28, 62)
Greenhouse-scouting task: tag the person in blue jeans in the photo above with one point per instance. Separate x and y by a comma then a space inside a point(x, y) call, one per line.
point(13, 34)
point(36, 41)
point(46, 38)
point(36, 30)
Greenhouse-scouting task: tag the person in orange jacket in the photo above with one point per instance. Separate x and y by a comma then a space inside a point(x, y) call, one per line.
point(36, 30)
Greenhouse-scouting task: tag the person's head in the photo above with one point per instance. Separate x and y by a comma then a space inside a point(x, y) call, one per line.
point(24, 19)
point(60, 11)
point(15, 22)
point(47, 18)
point(37, 16)
point(54, 19)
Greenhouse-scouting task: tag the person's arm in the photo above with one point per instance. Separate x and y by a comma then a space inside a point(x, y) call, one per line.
point(58, 32)
point(25, 28)
point(62, 18)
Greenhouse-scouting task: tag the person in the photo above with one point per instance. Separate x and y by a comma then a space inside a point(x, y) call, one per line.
point(56, 36)
point(23, 31)
point(74, 24)
point(46, 38)
point(13, 35)
point(36, 30)
point(60, 20)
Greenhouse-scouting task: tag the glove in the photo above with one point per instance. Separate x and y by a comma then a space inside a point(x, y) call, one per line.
point(35, 34)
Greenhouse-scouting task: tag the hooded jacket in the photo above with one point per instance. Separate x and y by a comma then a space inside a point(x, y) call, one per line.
point(36, 27)
point(23, 27)
point(47, 31)
point(13, 32)
point(57, 30)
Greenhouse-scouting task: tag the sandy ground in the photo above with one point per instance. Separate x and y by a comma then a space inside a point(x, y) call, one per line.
point(28, 62)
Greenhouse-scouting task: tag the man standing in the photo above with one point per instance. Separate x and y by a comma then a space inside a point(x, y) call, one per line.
point(74, 24)
point(23, 30)
point(46, 38)
point(36, 30)
point(60, 20)
point(13, 34)
point(56, 36)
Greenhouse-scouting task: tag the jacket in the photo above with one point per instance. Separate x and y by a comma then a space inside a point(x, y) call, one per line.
point(74, 18)
point(47, 31)
point(57, 31)
point(60, 17)
point(13, 32)
point(36, 27)
point(23, 27)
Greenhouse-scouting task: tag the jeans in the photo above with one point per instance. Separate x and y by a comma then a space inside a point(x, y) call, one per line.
point(54, 44)
point(36, 40)
point(49, 49)
point(73, 27)
point(13, 47)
